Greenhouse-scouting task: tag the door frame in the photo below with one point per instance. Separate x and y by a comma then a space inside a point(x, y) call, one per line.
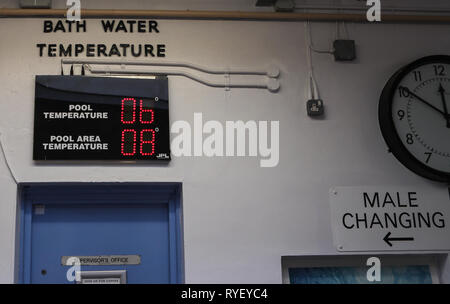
point(165, 193)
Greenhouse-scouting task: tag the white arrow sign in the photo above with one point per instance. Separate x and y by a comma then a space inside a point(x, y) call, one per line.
point(390, 218)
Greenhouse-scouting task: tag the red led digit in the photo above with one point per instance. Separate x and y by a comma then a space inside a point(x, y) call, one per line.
point(128, 104)
point(124, 142)
point(151, 142)
point(151, 114)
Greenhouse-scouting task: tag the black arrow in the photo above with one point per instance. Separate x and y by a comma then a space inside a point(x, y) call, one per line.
point(388, 239)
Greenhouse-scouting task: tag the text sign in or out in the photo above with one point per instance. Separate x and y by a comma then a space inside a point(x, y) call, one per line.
point(390, 218)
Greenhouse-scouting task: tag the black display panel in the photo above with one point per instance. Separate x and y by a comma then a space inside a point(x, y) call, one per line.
point(101, 118)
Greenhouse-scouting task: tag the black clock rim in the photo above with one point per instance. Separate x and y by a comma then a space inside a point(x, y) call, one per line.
point(387, 126)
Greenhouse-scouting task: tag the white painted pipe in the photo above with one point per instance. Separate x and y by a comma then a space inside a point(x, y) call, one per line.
point(271, 84)
point(272, 71)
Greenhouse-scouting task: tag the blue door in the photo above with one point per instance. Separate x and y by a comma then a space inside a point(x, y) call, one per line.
point(101, 220)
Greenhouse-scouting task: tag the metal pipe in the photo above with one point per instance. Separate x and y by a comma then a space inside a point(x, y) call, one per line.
point(272, 85)
point(384, 9)
point(270, 72)
point(222, 15)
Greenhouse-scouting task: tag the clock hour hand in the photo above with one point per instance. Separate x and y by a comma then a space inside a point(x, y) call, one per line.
point(405, 89)
point(444, 103)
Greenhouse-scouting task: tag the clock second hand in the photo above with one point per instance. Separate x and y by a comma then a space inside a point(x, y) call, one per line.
point(422, 100)
point(444, 102)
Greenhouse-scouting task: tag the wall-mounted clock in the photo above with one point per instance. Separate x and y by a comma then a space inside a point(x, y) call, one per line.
point(414, 116)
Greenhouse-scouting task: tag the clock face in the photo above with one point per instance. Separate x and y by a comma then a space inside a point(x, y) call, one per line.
point(414, 117)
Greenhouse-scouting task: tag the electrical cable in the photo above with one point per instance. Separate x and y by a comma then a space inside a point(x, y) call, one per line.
point(309, 35)
point(322, 51)
point(337, 34)
point(309, 92)
point(11, 172)
point(313, 90)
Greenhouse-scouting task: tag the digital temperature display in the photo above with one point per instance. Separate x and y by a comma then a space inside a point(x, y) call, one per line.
point(101, 118)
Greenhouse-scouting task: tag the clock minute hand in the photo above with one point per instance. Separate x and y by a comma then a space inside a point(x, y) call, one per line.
point(444, 103)
point(422, 100)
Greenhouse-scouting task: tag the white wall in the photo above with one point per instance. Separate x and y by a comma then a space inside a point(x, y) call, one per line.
point(239, 219)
